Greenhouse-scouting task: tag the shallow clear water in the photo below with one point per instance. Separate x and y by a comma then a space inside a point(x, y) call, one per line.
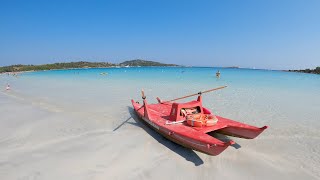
point(248, 91)
point(252, 95)
point(289, 103)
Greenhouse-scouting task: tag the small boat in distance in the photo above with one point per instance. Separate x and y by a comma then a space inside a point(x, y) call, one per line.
point(192, 125)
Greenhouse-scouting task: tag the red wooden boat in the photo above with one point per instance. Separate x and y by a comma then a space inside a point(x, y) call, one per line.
point(194, 130)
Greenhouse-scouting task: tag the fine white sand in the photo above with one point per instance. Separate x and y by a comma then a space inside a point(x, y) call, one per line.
point(42, 139)
point(36, 143)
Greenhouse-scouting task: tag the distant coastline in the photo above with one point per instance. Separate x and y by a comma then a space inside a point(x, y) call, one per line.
point(20, 68)
point(80, 65)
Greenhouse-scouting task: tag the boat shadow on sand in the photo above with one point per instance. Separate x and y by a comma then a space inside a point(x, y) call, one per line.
point(186, 153)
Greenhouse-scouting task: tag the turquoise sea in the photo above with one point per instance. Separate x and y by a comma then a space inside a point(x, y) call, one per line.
point(289, 103)
point(249, 91)
point(260, 96)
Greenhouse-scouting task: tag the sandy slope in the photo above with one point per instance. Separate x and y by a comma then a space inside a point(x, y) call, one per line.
point(41, 143)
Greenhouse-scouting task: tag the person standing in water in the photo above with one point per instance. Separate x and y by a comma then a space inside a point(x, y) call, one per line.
point(8, 87)
point(218, 74)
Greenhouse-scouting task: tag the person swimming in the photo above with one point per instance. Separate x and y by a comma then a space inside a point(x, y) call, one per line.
point(103, 73)
point(218, 74)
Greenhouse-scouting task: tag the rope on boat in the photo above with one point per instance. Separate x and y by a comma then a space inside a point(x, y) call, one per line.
point(175, 122)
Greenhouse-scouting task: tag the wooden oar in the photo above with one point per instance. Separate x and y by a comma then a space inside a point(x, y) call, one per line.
point(196, 94)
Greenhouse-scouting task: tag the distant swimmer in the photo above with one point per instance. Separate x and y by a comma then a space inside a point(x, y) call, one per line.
point(218, 74)
point(8, 87)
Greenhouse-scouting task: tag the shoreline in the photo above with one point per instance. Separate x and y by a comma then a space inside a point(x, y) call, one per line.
point(19, 72)
point(178, 66)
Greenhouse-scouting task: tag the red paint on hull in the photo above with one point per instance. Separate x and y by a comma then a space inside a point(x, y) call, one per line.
point(156, 116)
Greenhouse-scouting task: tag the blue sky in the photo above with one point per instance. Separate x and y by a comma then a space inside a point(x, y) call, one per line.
point(272, 34)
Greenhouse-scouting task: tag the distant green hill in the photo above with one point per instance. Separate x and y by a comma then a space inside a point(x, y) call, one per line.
point(312, 71)
point(81, 64)
point(140, 62)
point(69, 65)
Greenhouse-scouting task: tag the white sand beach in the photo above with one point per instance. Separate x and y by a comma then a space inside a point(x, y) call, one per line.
point(42, 139)
point(70, 69)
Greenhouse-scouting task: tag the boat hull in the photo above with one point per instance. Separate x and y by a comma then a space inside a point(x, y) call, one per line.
point(185, 142)
point(156, 117)
point(242, 132)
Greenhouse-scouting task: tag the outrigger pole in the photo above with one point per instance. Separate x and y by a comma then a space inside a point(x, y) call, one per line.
point(196, 94)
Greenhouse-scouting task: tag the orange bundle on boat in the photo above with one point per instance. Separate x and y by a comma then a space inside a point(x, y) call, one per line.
point(200, 120)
